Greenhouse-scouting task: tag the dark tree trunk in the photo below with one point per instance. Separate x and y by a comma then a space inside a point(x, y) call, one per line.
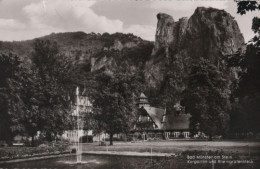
point(210, 137)
point(163, 135)
point(111, 138)
point(48, 136)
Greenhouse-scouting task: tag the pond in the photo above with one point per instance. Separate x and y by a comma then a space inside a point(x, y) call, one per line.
point(88, 162)
point(121, 162)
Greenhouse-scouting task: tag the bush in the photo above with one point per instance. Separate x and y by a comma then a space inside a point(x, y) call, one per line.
point(22, 152)
point(86, 139)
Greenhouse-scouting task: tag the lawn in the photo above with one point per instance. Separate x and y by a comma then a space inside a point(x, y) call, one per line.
point(237, 147)
point(237, 150)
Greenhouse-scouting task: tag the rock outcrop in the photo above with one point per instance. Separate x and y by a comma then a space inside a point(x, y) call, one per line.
point(169, 34)
point(209, 33)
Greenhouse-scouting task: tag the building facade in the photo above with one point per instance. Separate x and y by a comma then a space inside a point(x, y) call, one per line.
point(156, 123)
point(81, 112)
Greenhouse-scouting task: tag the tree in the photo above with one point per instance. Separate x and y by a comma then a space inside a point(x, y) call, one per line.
point(207, 98)
point(33, 98)
point(245, 6)
point(30, 118)
point(115, 103)
point(245, 116)
point(11, 104)
point(53, 78)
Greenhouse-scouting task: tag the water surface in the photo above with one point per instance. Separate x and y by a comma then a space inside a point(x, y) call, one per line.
point(88, 162)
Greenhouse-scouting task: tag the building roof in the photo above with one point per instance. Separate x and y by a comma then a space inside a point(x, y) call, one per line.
point(177, 122)
point(142, 96)
point(156, 115)
point(172, 122)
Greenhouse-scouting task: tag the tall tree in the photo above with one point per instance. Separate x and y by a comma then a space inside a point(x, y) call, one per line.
point(11, 104)
point(245, 116)
point(207, 98)
point(54, 82)
point(115, 103)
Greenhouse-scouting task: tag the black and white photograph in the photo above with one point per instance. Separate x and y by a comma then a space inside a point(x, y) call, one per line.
point(129, 84)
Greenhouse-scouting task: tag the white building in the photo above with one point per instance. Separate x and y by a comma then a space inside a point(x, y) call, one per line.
point(81, 108)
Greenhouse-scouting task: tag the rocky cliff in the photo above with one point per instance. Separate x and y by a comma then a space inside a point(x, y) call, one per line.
point(209, 33)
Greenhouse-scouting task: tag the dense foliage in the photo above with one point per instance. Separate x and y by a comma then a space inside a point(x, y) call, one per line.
point(207, 98)
point(247, 6)
point(11, 104)
point(37, 93)
point(245, 115)
point(115, 102)
point(34, 96)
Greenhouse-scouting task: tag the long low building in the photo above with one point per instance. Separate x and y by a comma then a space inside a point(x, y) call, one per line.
point(157, 123)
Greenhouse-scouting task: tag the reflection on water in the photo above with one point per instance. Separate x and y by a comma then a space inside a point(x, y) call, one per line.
point(88, 162)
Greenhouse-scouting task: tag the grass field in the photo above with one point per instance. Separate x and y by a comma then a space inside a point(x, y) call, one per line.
point(235, 150)
point(237, 147)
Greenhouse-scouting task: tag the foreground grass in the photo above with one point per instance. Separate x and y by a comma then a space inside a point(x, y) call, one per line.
point(180, 162)
point(237, 147)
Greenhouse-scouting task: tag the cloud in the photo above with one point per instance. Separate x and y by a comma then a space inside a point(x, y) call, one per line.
point(7, 24)
point(69, 16)
point(45, 17)
point(144, 31)
point(179, 5)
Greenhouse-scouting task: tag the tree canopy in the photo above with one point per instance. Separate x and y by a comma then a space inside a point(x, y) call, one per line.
point(207, 98)
point(10, 99)
point(247, 6)
point(245, 114)
point(115, 101)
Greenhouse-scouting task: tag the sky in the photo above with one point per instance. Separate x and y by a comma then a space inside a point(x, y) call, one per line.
point(28, 19)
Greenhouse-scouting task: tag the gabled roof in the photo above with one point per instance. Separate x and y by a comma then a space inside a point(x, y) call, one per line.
point(142, 95)
point(156, 115)
point(172, 121)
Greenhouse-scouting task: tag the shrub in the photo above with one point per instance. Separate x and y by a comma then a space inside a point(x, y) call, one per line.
point(87, 139)
point(21, 152)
